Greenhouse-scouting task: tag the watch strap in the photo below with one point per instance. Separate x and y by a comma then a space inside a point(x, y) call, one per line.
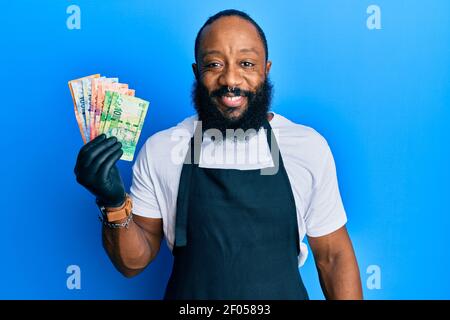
point(112, 214)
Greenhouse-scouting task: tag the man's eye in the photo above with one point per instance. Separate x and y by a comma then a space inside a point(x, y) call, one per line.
point(213, 65)
point(247, 64)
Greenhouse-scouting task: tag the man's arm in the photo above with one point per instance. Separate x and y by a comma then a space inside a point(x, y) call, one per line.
point(132, 249)
point(336, 265)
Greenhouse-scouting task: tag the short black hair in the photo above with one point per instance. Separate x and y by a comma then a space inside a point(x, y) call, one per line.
point(230, 13)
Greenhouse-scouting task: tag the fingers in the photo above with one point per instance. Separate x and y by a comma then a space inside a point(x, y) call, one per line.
point(108, 164)
point(85, 149)
point(101, 158)
point(92, 143)
point(88, 157)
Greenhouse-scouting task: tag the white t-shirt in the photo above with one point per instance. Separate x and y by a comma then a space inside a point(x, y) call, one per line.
point(306, 156)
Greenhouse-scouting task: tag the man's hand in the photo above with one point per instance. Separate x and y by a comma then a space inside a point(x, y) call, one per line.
point(96, 170)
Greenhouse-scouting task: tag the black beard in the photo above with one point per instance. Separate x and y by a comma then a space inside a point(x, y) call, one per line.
point(252, 118)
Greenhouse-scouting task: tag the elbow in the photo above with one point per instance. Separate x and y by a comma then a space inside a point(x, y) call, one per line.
point(130, 268)
point(129, 273)
point(129, 265)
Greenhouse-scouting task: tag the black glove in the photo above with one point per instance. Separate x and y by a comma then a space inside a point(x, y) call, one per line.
point(96, 170)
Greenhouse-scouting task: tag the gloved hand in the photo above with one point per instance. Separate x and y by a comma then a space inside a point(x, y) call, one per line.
point(96, 170)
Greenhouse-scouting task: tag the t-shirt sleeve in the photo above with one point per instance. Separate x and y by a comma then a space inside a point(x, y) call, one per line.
point(325, 212)
point(142, 191)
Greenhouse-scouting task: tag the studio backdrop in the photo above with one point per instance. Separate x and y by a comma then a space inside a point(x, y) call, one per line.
point(372, 77)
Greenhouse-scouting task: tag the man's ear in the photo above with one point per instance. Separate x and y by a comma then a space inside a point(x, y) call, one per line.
point(195, 70)
point(268, 66)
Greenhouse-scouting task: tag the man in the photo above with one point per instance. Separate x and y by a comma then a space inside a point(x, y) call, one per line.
point(235, 232)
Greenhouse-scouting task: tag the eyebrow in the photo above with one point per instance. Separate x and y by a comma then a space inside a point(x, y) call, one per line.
point(250, 50)
point(207, 53)
point(219, 52)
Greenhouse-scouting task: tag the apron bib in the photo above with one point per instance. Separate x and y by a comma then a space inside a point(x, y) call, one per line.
point(236, 234)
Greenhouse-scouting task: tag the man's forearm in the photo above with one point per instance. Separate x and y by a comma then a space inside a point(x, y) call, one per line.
point(127, 248)
point(340, 278)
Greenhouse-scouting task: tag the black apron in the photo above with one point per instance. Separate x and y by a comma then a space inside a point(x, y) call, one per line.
point(236, 234)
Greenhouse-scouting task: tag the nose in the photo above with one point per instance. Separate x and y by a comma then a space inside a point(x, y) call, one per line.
point(230, 77)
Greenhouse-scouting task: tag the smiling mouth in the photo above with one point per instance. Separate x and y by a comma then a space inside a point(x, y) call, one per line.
point(232, 101)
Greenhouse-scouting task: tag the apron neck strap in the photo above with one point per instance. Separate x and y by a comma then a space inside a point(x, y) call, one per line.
point(268, 128)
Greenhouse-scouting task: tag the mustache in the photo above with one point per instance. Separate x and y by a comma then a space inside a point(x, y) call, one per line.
point(207, 110)
point(236, 91)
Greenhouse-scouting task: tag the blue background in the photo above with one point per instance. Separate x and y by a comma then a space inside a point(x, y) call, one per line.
point(380, 98)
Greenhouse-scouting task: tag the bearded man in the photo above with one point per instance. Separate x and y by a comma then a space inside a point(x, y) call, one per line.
point(235, 223)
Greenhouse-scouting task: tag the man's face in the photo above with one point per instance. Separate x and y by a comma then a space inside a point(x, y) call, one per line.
point(231, 54)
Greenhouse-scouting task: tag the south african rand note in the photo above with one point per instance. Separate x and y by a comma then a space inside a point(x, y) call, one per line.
point(114, 87)
point(94, 89)
point(141, 121)
point(99, 99)
point(76, 91)
point(141, 124)
point(126, 122)
point(86, 83)
point(108, 113)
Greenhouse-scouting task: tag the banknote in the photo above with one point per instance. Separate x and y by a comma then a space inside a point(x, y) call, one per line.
point(115, 87)
point(76, 91)
point(126, 120)
point(107, 112)
point(92, 108)
point(86, 84)
point(98, 102)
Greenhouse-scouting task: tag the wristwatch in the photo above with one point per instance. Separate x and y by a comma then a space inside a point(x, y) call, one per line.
point(109, 214)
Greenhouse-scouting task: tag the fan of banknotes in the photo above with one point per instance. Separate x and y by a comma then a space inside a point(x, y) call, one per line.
point(103, 105)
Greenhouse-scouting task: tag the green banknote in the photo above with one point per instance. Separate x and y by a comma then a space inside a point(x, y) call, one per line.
point(125, 120)
point(105, 111)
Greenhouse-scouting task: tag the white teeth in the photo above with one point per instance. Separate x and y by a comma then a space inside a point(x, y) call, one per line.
point(233, 98)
